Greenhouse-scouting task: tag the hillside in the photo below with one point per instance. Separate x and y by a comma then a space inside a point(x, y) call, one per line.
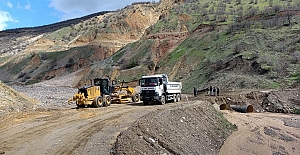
point(251, 44)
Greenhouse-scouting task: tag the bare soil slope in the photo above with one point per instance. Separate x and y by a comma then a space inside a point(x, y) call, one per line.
point(14, 101)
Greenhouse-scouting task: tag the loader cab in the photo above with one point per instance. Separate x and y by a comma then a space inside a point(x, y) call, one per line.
point(104, 85)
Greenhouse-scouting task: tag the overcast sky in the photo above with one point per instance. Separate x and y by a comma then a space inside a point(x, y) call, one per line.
point(30, 13)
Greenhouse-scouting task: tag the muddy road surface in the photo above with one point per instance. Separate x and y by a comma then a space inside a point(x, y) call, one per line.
point(68, 130)
point(58, 128)
point(263, 133)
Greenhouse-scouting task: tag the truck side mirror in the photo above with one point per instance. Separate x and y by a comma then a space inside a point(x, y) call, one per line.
point(160, 81)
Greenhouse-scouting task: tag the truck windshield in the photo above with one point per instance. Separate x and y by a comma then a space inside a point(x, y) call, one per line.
point(149, 82)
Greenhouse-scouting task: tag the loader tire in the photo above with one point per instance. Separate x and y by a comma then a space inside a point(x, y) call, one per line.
point(80, 105)
point(135, 97)
point(107, 100)
point(99, 102)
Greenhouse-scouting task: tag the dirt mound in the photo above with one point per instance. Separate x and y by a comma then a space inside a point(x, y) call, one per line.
point(13, 101)
point(195, 128)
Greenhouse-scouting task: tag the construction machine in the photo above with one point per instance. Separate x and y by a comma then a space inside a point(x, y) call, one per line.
point(96, 95)
point(123, 94)
point(158, 88)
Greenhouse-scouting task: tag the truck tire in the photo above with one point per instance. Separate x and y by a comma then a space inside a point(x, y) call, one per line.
point(107, 100)
point(178, 97)
point(99, 102)
point(135, 97)
point(175, 98)
point(145, 103)
point(163, 100)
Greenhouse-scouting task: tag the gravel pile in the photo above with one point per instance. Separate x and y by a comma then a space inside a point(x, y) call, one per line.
point(193, 128)
point(50, 97)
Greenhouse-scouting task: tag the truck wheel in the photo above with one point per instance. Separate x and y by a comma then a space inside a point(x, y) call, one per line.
point(145, 103)
point(99, 102)
point(135, 97)
point(163, 100)
point(107, 100)
point(178, 96)
point(175, 98)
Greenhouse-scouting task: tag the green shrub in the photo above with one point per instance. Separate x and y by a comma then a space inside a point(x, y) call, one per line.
point(296, 111)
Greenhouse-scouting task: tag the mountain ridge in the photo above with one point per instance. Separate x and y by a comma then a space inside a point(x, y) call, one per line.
point(200, 43)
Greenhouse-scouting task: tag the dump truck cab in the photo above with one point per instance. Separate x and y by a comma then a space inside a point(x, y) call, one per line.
point(157, 88)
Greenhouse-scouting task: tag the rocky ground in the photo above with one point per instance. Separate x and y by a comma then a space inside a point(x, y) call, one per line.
point(49, 97)
point(192, 126)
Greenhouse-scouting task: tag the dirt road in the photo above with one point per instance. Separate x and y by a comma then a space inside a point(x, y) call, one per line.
point(58, 128)
point(263, 133)
point(68, 130)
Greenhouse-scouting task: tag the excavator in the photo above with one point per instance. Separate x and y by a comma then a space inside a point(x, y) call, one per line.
point(96, 95)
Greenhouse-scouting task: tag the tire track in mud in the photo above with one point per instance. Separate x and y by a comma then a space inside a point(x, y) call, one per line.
point(85, 131)
point(261, 133)
point(68, 131)
point(21, 135)
point(83, 136)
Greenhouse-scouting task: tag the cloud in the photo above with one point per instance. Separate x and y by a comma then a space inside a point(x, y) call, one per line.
point(9, 4)
point(77, 8)
point(26, 7)
point(4, 18)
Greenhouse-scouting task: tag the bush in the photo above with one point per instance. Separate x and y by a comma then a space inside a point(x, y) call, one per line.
point(44, 56)
point(296, 111)
point(21, 75)
point(70, 63)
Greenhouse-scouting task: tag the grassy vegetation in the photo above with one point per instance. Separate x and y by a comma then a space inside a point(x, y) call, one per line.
point(296, 111)
point(239, 29)
point(273, 46)
point(2, 59)
point(116, 57)
point(132, 75)
point(16, 65)
point(216, 12)
point(141, 49)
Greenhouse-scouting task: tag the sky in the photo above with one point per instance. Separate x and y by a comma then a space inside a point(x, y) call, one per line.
point(31, 13)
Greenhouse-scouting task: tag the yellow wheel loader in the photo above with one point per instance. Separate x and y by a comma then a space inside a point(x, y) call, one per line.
point(96, 95)
point(123, 94)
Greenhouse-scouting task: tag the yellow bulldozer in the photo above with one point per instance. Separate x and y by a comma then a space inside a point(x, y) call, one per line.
point(96, 95)
point(123, 94)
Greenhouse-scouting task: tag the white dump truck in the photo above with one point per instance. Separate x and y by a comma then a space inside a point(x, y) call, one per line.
point(157, 88)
